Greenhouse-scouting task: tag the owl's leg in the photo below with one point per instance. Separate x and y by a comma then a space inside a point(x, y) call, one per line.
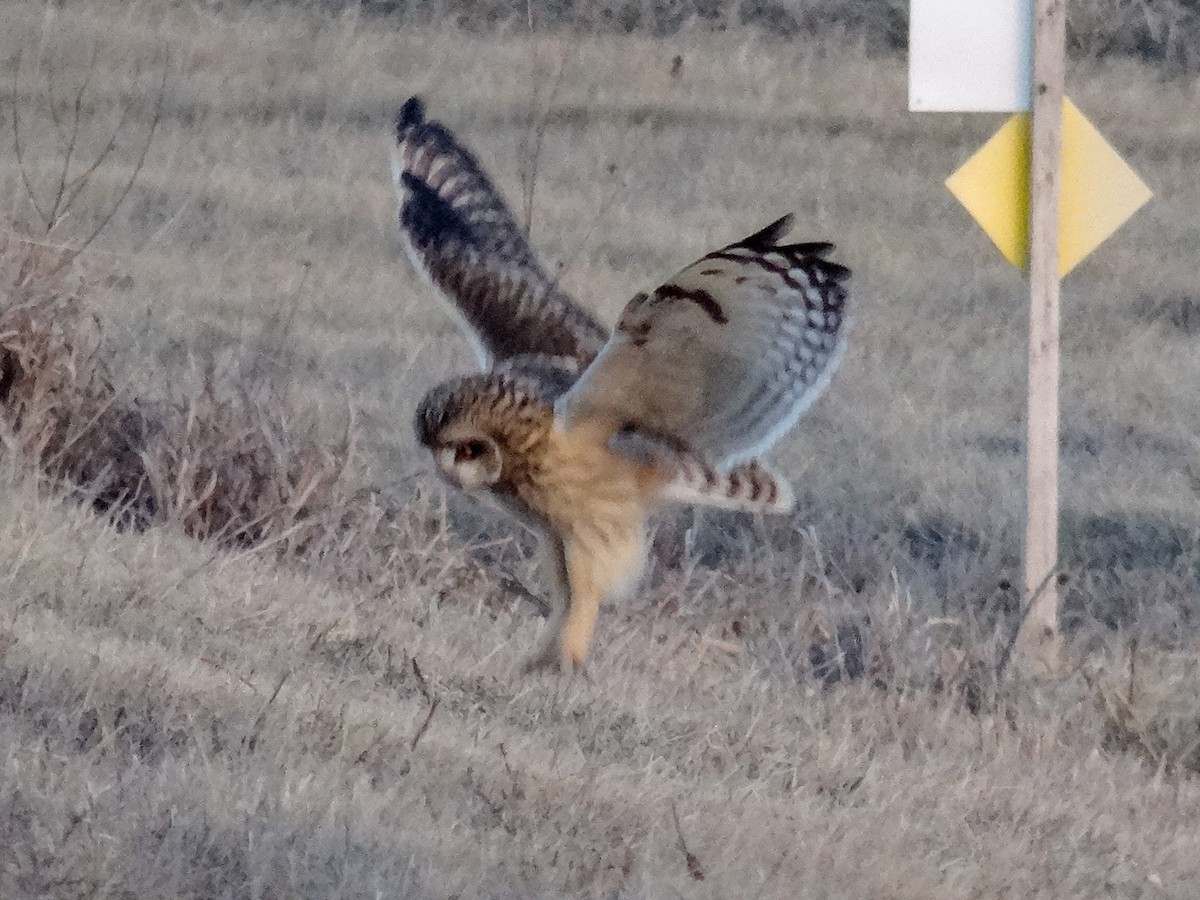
point(569, 631)
point(554, 563)
point(595, 571)
point(588, 590)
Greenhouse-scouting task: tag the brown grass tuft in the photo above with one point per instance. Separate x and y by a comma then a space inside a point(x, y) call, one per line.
point(1150, 705)
point(218, 455)
point(60, 406)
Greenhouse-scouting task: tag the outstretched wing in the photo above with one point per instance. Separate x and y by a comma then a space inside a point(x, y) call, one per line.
point(462, 236)
point(724, 358)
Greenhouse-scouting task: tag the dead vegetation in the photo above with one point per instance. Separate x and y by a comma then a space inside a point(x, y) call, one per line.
point(1163, 33)
point(1149, 705)
point(213, 455)
point(223, 465)
point(273, 677)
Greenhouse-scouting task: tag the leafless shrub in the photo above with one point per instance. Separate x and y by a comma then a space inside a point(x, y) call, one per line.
point(228, 463)
point(59, 403)
point(219, 457)
point(67, 113)
point(530, 150)
point(217, 454)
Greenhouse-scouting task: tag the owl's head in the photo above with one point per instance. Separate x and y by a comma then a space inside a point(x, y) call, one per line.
point(466, 454)
point(470, 425)
point(468, 459)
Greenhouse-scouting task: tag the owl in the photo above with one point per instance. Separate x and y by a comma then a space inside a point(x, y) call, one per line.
point(580, 432)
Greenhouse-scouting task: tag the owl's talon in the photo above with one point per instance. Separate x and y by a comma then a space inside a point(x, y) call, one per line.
point(552, 655)
point(534, 663)
point(543, 658)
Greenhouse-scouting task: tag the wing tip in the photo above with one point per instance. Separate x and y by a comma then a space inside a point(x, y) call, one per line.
point(411, 115)
point(835, 272)
point(768, 238)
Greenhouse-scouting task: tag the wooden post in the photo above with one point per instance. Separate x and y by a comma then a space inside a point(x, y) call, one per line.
point(1038, 642)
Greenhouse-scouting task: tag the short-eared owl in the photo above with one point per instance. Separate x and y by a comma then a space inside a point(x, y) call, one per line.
point(581, 433)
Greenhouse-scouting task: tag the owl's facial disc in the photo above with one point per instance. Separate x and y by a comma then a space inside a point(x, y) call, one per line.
point(471, 463)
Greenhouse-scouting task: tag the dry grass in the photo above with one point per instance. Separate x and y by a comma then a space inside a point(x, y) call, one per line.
point(1164, 34)
point(218, 459)
point(319, 697)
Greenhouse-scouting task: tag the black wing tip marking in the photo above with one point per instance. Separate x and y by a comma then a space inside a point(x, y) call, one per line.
point(443, 141)
point(831, 271)
point(411, 115)
point(768, 238)
point(427, 217)
point(468, 242)
point(467, 206)
point(413, 124)
point(817, 249)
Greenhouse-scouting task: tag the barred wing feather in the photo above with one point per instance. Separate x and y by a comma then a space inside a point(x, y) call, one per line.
point(462, 236)
point(727, 355)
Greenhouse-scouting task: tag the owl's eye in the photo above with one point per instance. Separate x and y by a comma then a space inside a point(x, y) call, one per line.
point(469, 451)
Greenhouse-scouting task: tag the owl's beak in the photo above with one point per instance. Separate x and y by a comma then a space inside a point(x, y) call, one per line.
point(444, 458)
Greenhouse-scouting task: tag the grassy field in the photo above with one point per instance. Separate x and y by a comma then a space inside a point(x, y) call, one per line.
point(801, 709)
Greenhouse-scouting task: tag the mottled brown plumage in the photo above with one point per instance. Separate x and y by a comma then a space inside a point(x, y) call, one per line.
point(582, 434)
point(460, 234)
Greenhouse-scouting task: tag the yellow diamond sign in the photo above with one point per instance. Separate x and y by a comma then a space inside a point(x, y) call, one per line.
point(1099, 191)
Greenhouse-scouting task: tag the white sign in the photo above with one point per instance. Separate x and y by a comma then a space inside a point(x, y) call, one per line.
point(970, 55)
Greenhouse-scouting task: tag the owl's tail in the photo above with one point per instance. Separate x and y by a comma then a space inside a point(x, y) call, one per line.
point(750, 487)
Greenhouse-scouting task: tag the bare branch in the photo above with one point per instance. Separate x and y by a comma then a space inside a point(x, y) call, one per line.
point(425, 725)
point(81, 180)
point(16, 127)
point(70, 184)
point(57, 212)
point(693, 864)
point(1006, 653)
point(421, 682)
point(137, 168)
point(531, 143)
point(52, 107)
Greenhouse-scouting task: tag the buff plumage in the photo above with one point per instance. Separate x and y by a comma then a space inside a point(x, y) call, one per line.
point(581, 433)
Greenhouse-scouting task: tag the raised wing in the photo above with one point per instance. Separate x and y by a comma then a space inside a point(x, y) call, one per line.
point(461, 235)
point(724, 358)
